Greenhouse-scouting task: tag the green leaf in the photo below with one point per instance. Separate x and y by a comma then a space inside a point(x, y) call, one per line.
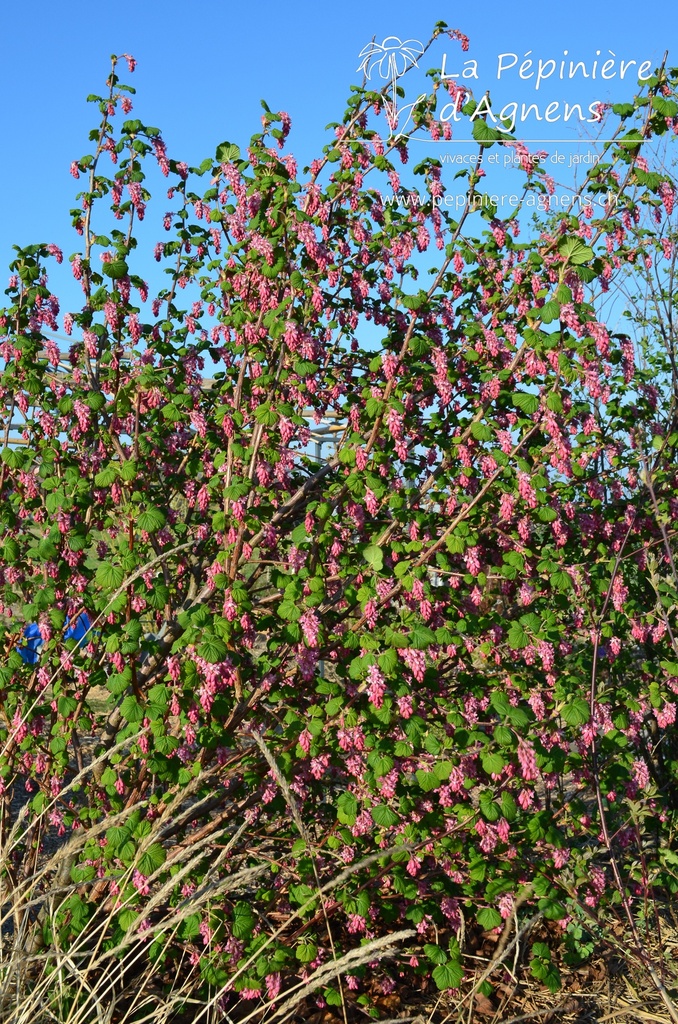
point(384, 816)
point(490, 808)
point(12, 458)
point(561, 581)
point(151, 520)
point(517, 637)
point(389, 660)
point(518, 717)
point(128, 470)
point(66, 706)
point(448, 975)
point(542, 969)
point(117, 836)
point(347, 809)
point(244, 920)
point(131, 709)
point(306, 952)
point(82, 873)
point(160, 694)
point(481, 431)
point(127, 918)
point(546, 313)
point(503, 736)
point(528, 403)
point(482, 132)
point(46, 549)
point(166, 744)
point(574, 250)
point(374, 556)
point(289, 611)
point(443, 769)
point(493, 764)
point(151, 859)
point(435, 954)
point(427, 780)
point(422, 637)
point(38, 802)
point(171, 413)
point(489, 918)
point(11, 551)
point(500, 701)
point(576, 712)
point(238, 490)
point(227, 152)
point(109, 577)
point(381, 764)
point(508, 806)
point(106, 477)
point(265, 415)
point(116, 269)
point(212, 649)
point(118, 682)
point(665, 107)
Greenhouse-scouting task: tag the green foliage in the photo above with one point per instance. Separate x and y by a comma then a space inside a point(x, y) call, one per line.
point(419, 678)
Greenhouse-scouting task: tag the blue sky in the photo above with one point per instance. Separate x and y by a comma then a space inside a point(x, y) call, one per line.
point(204, 66)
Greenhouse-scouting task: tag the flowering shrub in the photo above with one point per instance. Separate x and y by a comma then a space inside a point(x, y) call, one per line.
point(329, 715)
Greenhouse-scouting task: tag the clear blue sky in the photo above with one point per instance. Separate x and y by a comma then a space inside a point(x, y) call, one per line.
point(203, 67)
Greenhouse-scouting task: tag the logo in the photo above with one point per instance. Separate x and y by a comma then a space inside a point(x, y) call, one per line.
point(392, 57)
point(533, 103)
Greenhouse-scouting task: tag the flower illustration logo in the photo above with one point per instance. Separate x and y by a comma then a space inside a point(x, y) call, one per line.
point(392, 57)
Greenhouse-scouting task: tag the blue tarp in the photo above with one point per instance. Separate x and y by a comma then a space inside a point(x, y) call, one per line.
point(30, 650)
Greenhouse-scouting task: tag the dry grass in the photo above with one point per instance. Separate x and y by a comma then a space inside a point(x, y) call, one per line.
point(611, 987)
point(88, 980)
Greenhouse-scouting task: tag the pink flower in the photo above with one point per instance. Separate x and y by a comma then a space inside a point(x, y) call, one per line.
point(310, 625)
point(506, 905)
point(140, 883)
point(376, 688)
point(666, 716)
point(619, 593)
point(413, 865)
point(415, 661)
point(526, 490)
point(450, 908)
point(230, 609)
point(668, 195)
point(528, 761)
point(472, 559)
point(21, 729)
point(272, 982)
point(405, 706)
point(641, 773)
point(371, 503)
point(371, 613)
